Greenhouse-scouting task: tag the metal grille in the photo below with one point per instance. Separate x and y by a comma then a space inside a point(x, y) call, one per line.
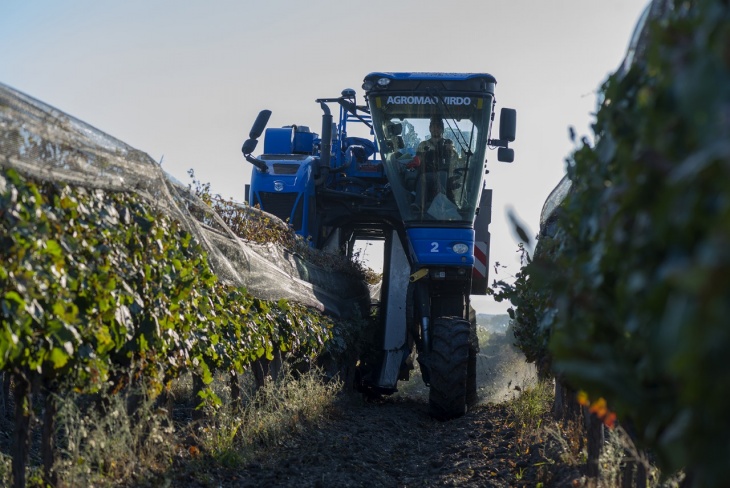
point(285, 169)
point(279, 204)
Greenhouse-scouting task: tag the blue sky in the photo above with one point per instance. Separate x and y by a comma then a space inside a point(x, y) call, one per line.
point(184, 80)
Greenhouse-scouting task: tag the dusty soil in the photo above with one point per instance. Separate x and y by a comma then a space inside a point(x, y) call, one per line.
point(393, 442)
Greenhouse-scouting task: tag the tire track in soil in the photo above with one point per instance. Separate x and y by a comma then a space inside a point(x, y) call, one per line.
point(393, 442)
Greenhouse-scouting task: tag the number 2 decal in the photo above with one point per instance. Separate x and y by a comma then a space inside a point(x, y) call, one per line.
point(434, 247)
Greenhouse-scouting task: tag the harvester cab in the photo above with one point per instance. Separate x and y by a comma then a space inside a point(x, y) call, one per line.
point(406, 111)
point(417, 184)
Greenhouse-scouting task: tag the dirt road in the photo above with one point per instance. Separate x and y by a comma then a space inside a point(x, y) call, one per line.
point(395, 443)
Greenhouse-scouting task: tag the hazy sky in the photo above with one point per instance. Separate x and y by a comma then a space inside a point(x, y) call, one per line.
point(184, 80)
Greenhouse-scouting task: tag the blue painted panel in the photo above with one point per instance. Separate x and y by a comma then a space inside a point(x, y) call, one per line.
point(432, 76)
point(279, 141)
point(435, 246)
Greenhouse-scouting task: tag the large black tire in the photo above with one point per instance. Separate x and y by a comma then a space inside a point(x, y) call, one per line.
point(448, 359)
point(472, 397)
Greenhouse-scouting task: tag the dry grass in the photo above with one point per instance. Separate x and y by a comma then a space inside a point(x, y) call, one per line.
point(531, 406)
point(100, 447)
point(269, 416)
point(566, 443)
point(115, 446)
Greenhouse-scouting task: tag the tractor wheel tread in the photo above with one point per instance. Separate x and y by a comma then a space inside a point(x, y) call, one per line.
point(449, 358)
point(472, 395)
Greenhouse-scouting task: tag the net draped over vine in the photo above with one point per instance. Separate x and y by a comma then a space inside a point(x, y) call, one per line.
point(44, 143)
point(553, 201)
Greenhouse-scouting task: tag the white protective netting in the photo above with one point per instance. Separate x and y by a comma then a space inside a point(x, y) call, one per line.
point(554, 200)
point(45, 143)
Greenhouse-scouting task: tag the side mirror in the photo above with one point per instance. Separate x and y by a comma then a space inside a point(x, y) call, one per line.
point(507, 124)
point(250, 145)
point(260, 124)
point(506, 154)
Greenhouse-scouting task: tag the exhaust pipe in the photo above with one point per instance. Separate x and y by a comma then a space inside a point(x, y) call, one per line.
point(326, 145)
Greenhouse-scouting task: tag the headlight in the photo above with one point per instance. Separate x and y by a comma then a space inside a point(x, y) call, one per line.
point(460, 248)
point(384, 81)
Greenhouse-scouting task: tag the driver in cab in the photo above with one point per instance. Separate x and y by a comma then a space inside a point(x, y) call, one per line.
point(433, 159)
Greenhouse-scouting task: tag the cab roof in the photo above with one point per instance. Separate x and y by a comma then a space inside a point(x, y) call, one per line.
point(411, 76)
